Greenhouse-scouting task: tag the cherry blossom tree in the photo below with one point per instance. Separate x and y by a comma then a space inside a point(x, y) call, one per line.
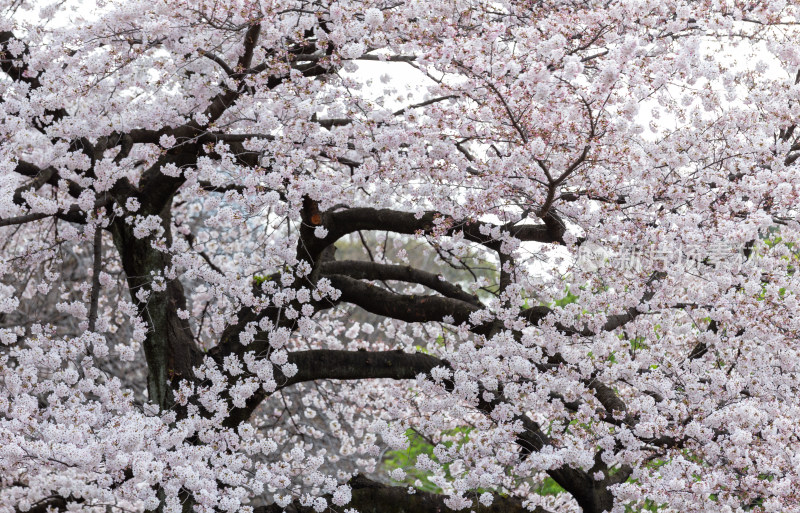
point(207, 298)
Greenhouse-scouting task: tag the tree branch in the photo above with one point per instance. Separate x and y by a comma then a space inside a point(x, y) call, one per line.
point(408, 308)
point(378, 272)
point(372, 497)
point(74, 214)
point(341, 223)
point(51, 503)
point(97, 267)
point(357, 365)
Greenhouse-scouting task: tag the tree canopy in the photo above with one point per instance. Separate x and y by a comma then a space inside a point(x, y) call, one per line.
point(374, 255)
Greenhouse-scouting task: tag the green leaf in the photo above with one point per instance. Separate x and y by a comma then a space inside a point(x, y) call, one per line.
point(406, 459)
point(549, 487)
point(569, 298)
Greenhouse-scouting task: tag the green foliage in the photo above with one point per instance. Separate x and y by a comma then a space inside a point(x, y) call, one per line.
point(772, 240)
point(260, 279)
point(418, 445)
point(645, 505)
point(548, 487)
point(439, 342)
point(568, 298)
point(638, 343)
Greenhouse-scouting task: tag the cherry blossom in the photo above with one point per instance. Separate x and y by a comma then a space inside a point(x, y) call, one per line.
point(250, 250)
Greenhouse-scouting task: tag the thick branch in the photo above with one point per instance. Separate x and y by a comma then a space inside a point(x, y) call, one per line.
point(341, 223)
point(157, 188)
point(250, 40)
point(372, 497)
point(408, 308)
point(376, 271)
point(97, 267)
point(53, 503)
point(74, 214)
point(38, 181)
point(357, 365)
point(48, 175)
